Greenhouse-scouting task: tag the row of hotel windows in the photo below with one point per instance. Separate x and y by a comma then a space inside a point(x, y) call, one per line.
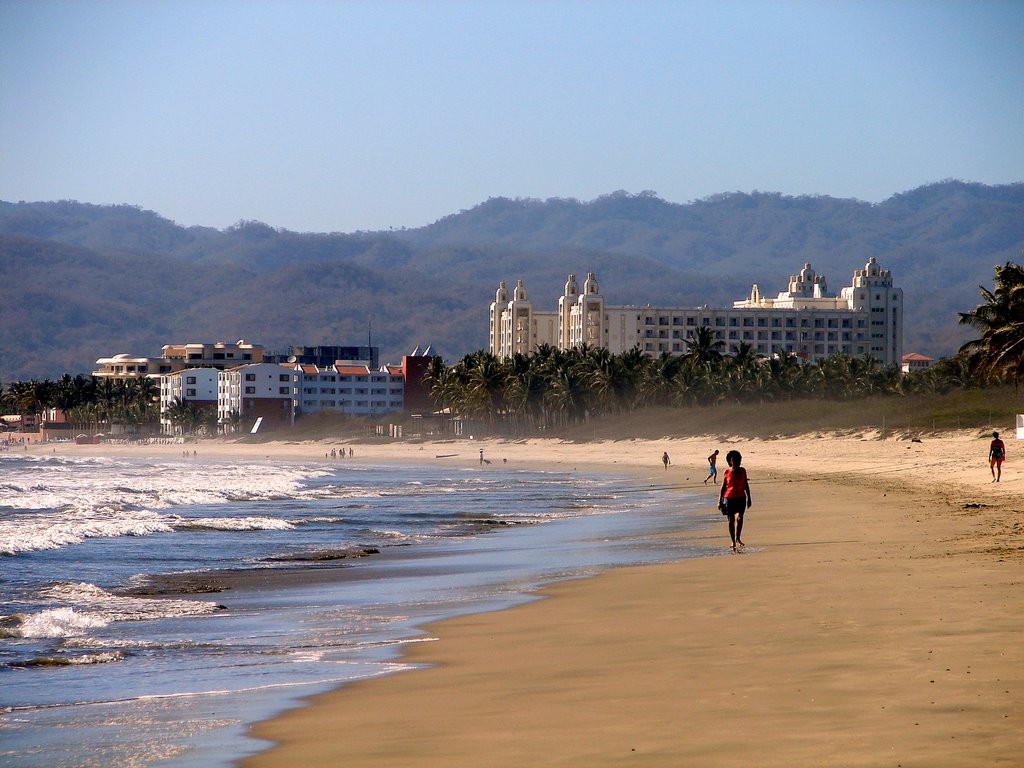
point(765, 335)
point(348, 377)
point(219, 356)
point(313, 404)
point(357, 390)
point(750, 322)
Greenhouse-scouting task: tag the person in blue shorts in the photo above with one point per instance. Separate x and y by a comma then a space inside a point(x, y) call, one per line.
point(712, 468)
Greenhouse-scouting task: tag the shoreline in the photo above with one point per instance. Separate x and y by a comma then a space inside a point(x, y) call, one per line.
point(874, 620)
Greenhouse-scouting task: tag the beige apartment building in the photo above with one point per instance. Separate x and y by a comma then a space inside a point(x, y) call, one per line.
point(178, 357)
point(807, 320)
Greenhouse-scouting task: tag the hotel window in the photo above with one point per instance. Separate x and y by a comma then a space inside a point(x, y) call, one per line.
point(662, 321)
point(284, 377)
point(284, 391)
point(190, 379)
point(250, 391)
point(719, 321)
point(250, 377)
point(190, 393)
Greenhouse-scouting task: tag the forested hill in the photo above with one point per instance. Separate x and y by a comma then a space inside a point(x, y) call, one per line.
point(82, 281)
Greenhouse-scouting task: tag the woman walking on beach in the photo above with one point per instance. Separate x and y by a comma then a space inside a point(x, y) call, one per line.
point(996, 454)
point(735, 496)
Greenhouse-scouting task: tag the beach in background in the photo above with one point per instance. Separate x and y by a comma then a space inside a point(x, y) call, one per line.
point(874, 618)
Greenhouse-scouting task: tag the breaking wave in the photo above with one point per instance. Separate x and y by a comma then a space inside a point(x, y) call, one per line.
point(87, 607)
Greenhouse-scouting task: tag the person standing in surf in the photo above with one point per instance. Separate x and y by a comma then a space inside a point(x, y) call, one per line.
point(734, 499)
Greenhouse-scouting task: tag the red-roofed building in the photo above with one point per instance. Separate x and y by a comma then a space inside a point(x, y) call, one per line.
point(915, 361)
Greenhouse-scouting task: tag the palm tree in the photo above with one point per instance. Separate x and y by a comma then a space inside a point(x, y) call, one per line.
point(659, 382)
point(703, 350)
point(1000, 318)
point(71, 392)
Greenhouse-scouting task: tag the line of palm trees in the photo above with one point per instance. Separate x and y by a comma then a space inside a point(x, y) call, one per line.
point(552, 388)
point(94, 405)
point(86, 402)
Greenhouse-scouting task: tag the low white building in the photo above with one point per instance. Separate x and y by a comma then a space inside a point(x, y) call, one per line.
point(357, 390)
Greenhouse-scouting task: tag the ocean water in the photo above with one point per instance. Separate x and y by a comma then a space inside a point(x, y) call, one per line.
point(151, 609)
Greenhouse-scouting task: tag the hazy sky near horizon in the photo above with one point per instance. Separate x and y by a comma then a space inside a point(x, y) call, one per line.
point(340, 116)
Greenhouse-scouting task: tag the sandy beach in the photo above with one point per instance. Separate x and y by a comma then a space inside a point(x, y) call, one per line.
point(874, 619)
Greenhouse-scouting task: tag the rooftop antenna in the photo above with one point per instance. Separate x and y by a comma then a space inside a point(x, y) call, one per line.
point(369, 331)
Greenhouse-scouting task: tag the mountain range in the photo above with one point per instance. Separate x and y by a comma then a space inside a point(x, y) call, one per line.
point(81, 281)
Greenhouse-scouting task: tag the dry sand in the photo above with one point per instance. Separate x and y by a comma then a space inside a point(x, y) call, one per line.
point(875, 619)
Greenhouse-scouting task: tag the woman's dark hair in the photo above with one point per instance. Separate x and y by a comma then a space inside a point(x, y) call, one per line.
point(733, 458)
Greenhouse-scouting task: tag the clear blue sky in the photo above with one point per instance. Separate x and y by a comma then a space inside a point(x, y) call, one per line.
point(338, 116)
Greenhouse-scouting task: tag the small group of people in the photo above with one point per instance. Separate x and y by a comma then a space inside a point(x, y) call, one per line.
point(339, 453)
point(734, 495)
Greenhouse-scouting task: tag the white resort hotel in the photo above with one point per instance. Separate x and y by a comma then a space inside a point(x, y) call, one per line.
point(805, 320)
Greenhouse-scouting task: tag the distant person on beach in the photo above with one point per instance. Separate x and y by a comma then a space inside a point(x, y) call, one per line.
point(665, 460)
point(712, 467)
point(996, 454)
point(481, 457)
point(735, 496)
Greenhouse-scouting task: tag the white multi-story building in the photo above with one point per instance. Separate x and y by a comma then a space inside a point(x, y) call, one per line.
point(805, 320)
point(264, 390)
point(197, 386)
point(363, 391)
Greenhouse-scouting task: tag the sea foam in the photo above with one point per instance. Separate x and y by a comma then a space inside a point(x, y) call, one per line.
point(87, 607)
